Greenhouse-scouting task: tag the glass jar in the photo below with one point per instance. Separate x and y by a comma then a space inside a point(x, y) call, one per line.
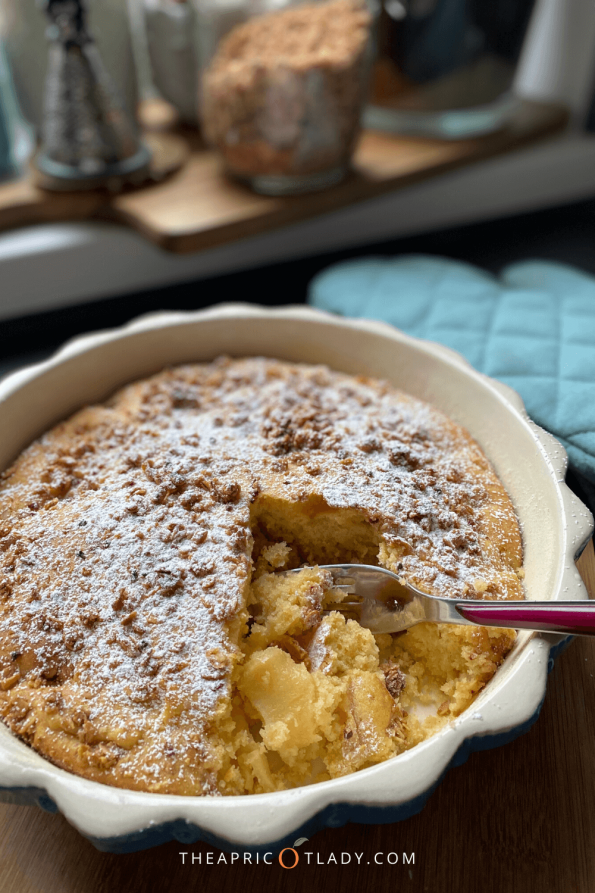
point(446, 67)
point(283, 90)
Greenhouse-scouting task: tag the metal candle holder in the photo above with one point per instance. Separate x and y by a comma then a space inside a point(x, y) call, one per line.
point(88, 139)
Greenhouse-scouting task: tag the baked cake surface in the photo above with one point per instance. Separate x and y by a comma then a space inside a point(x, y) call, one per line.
point(147, 639)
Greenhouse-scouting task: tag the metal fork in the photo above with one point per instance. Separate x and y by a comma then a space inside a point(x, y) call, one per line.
point(384, 603)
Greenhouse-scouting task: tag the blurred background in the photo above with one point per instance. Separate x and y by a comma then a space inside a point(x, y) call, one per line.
point(445, 73)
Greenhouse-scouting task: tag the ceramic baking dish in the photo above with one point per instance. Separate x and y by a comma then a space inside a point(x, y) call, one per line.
point(530, 462)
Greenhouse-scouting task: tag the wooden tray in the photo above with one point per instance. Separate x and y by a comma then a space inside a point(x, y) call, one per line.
point(198, 207)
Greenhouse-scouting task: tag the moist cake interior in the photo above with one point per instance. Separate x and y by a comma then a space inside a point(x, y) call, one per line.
point(317, 695)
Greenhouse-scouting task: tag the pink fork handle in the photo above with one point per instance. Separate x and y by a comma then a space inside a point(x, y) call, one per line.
point(560, 617)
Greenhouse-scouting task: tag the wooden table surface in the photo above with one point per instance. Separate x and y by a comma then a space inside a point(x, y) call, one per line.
point(518, 818)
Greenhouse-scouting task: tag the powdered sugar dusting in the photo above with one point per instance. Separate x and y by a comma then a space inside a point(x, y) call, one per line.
point(125, 548)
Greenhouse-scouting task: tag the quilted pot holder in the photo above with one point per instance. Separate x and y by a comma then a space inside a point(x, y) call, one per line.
point(532, 328)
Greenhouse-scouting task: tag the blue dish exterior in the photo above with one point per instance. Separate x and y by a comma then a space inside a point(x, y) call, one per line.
point(334, 816)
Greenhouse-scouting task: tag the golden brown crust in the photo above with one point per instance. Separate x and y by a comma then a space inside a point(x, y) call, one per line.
point(125, 548)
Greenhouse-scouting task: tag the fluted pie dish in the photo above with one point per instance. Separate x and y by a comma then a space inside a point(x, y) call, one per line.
point(153, 777)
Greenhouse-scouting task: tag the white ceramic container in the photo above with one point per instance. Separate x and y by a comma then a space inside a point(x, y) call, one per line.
point(172, 45)
point(530, 462)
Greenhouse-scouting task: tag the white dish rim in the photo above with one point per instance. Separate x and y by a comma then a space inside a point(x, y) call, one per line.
point(257, 821)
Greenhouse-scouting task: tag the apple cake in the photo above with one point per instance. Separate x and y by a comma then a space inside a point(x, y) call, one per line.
point(149, 637)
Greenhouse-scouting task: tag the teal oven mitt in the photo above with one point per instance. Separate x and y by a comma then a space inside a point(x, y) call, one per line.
point(532, 328)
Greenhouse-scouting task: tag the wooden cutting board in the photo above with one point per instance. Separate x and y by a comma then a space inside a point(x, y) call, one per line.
point(198, 207)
